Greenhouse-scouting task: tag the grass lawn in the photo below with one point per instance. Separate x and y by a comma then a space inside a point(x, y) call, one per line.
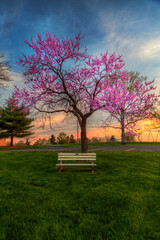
point(79, 145)
point(120, 201)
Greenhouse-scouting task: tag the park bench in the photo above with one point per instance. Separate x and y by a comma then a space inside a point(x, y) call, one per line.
point(77, 158)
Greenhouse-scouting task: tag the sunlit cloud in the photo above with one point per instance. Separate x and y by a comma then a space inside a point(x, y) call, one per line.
point(132, 36)
point(149, 50)
point(16, 79)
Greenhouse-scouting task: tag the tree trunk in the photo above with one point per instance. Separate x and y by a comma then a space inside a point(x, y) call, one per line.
point(130, 138)
point(84, 140)
point(122, 127)
point(11, 143)
point(123, 135)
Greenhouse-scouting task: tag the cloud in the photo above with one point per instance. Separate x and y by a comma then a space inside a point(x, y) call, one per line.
point(7, 23)
point(9, 13)
point(134, 34)
point(149, 50)
point(17, 79)
point(131, 31)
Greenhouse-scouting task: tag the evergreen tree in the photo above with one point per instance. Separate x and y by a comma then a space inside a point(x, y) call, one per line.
point(62, 138)
point(27, 142)
point(14, 121)
point(112, 138)
point(53, 139)
point(71, 139)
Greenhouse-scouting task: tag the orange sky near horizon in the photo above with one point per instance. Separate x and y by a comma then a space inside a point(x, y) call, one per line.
point(148, 134)
point(94, 129)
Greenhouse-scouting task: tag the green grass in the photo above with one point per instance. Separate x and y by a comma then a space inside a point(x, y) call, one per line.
point(120, 201)
point(90, 144)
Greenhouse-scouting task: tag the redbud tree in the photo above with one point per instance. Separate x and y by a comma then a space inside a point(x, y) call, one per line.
point(128, 103)
point(61, 77)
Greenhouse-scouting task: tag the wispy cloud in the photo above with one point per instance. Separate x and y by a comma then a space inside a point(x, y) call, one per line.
point(10, 11)
point(17, 79)
point(132, 36)
point(149, 50)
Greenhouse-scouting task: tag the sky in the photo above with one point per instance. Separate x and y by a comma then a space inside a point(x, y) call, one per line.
point(130, 28)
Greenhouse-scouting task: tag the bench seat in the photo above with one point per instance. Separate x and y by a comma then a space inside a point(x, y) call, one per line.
point(76, 157)
point(76, 164)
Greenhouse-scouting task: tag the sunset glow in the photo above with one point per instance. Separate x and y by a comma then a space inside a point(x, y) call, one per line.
point(126, 28)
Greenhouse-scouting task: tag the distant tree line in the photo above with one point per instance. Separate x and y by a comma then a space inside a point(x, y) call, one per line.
point(62, 138)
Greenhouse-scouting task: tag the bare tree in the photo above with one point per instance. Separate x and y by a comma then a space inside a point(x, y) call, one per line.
point(4, 71)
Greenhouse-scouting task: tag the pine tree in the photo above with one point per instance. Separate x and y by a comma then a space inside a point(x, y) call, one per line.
point(53, 139)
point(14, 121)
point(62, 138)
point(71, 139)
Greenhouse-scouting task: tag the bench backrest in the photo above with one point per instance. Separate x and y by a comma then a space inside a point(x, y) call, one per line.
point(77, 156)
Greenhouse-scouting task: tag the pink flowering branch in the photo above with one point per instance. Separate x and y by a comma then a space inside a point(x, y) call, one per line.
point(60, 76)
point(13, 105)
point(128, 105)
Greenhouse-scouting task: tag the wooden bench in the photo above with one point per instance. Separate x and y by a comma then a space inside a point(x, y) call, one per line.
point(76, 157)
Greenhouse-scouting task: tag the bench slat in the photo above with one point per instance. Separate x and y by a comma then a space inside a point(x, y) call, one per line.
point(61, 158)
point(85, 157)
point(90, 156)
point(78, 154)
point(77, 159)
point(79, 164)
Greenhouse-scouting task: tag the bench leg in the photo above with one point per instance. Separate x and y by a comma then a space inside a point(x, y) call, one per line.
point(92, 169)
point(60, 168)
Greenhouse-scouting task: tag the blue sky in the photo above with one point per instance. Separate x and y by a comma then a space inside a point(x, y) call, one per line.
point(126, 27)
point(129, 28)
